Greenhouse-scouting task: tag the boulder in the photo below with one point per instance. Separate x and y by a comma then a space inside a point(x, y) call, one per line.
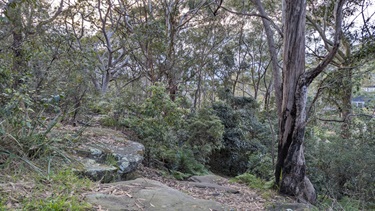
point(145, 194)
point(107, 158)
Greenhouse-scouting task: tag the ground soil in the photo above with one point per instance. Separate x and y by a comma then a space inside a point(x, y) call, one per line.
point(245, 199)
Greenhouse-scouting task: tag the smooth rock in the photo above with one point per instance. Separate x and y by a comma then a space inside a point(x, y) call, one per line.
point(213, 186)
point(145, 194)
point(206, 178)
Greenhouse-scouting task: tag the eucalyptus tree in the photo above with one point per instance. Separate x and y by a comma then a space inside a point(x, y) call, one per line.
point(291, 94)
point(336, 86)
point(24, 25)
point(162, 23)
point(201, 45)
point(99, 31)
point(21, 21)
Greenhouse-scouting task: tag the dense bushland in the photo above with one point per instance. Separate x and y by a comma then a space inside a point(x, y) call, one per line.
point(342, 169)
point(174, 138)
point(67, 66)
point(246, 141)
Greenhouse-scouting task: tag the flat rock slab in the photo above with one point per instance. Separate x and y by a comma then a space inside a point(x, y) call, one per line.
point(210, 181)
point(213, 186)
point(145, 194)
point(211, 178)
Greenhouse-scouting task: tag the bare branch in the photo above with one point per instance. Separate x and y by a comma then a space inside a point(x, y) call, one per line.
point(256, 15)
point(330, 120)
point(327, 43)
point(310, 75)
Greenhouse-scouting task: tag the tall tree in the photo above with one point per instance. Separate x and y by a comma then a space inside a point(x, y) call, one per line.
point(337, 85)
point(24, 19)
point(290, 167)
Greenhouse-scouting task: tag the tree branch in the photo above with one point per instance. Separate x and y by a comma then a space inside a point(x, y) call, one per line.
point(327, 43)
point(57, 13)
point(256, 15)
point(272, 50)
point(312, 74)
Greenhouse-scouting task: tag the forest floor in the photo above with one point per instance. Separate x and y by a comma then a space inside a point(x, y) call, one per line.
point(246, 198)
point(33, 190)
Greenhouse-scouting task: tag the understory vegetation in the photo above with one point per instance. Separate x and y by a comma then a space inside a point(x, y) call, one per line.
point(229, 137)
point(193, 81)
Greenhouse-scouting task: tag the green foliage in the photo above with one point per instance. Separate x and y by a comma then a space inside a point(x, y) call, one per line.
point(253, 181)
point(111, 160)
point(2, 206)
point(57, 204)
point(24, 126)
point(174, 138)
point(109, 121)
point(205, 133)
point(244, 135)
point(260, 164)
point(342, 168)
point(101, 107)
point(345, 203)
point(189, 164)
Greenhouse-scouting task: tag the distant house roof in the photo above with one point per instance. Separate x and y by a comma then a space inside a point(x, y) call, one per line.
point(368, 88)
point(359, 99)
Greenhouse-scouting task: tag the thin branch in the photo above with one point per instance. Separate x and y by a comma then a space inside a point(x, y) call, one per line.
point(312, 74)
point(256, 15)
point(57, 13)
point(347, 117)
point(327, 43)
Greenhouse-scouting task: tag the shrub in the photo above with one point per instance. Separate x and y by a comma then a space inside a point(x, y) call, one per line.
point(23, 128)
point(173, 137)
point(260, 164)
point(242, 135)
point(341, 168)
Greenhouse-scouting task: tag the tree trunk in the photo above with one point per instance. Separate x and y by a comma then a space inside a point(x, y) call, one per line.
point(291, 161)
point(290, 166)
point(273, 53)
point(346, 97)
point(19, 65)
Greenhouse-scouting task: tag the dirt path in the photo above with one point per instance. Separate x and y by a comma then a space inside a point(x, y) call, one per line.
point(245, 199)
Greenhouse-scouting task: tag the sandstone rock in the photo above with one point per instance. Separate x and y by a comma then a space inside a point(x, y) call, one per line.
point(211, 178)
point(210, 181)
point(213, 186)
point(108, 159)
point(96, 171)
point(145, 194)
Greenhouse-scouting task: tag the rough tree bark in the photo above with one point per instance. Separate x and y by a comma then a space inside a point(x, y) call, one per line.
point(290, 166)
point(291, 160)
